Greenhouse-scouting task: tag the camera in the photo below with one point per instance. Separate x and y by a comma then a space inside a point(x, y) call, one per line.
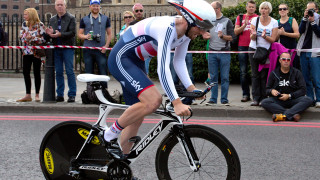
point(96, 37)
point(311, 12)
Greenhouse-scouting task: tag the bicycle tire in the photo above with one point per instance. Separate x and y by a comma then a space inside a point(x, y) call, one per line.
point(224, 163)
point(62, 143)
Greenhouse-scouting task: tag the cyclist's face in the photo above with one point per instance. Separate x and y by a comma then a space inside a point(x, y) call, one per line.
point(194, 32)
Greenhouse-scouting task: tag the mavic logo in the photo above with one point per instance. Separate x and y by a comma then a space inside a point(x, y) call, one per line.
point(136, 85)
point(141, 39)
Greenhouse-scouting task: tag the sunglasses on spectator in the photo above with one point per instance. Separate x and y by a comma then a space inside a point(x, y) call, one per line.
point(126, 17)
point(284, 9)
point(141, 10)
point(286, 59)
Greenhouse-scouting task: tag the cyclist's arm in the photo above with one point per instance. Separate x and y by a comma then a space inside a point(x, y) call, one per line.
point(179, 64)
point(164, 38)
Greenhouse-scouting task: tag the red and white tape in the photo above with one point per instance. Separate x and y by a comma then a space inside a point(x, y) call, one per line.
point(100, 48)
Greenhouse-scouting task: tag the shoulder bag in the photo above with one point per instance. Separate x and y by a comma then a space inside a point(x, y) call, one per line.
point(261, 54)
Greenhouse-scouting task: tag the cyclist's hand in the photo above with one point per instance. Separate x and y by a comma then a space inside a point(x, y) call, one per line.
point(181, 109)
point(200, 91)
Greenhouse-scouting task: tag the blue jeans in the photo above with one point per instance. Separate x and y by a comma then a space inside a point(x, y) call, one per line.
point(222, 62)
point(147, 63)
point(310, 70)
point(244, 75)
point(65, 56)
point(90, 56)
point(189, 63)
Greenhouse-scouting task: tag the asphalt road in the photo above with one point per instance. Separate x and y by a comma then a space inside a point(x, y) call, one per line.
point(267, 150)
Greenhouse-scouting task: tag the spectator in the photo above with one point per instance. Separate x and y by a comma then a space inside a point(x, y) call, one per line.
point(62, 30)
point(265, 35)
point(221, 35)
point(310, 61)
point(93, 30)
point(137, 10)
point(31, 33)
point(287, 89)
point(128, 17)
point(243, 30)
point(288, 31)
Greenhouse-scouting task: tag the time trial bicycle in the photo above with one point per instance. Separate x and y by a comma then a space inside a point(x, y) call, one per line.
point(73, 149)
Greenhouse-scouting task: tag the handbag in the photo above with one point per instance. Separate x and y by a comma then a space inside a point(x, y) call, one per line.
point(261, 54)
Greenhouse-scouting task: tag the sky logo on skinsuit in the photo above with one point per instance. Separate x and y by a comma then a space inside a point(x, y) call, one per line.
point(136, 85)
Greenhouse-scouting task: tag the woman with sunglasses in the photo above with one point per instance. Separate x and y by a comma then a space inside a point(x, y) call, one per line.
point(128, 18)
point(288, 31)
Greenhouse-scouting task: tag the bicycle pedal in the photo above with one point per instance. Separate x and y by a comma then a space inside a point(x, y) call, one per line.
point(135, 139)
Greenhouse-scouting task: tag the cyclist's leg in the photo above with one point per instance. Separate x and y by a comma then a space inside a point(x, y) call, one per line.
point(132, 118)
point(138, 91)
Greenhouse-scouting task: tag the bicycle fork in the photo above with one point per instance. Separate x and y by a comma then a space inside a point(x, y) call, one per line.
point(187, 147)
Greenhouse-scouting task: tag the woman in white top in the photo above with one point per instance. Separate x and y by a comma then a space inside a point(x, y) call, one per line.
point(265, 34)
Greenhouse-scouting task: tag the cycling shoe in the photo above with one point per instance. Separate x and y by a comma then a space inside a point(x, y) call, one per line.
point(112, 147)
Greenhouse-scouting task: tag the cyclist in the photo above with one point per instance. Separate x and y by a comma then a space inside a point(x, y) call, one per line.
point(155, 36)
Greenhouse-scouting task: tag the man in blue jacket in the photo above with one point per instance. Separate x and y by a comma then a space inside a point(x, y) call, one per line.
point(286, 89)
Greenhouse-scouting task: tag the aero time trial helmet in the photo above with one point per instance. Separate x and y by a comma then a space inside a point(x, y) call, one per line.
point(197, 12)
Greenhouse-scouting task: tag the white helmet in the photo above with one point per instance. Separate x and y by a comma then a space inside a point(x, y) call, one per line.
point(197, 12)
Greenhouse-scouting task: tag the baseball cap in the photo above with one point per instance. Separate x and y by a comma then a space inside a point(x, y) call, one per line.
point(94, 2)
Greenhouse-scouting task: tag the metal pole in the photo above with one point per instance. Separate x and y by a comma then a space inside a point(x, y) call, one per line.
point(49, 79)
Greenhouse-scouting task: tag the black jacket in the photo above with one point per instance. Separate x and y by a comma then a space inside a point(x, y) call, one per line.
point(68, 29)
point(297, 83)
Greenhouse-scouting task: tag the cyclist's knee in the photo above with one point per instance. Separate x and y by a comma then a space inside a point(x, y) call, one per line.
point(152, 103)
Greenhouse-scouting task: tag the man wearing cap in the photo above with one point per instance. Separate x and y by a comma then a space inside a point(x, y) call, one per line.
point(93, 30)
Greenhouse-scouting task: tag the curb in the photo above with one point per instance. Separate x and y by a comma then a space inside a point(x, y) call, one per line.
point(198, 110)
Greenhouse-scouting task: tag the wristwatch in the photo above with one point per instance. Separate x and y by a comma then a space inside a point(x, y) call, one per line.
point(289, 96)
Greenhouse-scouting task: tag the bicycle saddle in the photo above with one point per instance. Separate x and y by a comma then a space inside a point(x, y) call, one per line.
point(92, 77)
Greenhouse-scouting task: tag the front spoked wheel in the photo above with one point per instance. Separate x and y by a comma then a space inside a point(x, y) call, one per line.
point(61, 145)
point(218, 158)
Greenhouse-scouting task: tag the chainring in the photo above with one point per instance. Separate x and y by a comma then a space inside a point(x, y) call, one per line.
point(119, 170)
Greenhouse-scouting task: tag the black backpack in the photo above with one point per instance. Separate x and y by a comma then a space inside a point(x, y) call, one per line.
point(89, 97)
point(4, 37)
point(235, 42)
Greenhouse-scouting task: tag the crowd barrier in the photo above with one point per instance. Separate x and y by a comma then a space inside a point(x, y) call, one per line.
point(100, 48)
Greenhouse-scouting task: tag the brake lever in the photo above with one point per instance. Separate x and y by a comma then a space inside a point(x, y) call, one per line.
point(190, 114)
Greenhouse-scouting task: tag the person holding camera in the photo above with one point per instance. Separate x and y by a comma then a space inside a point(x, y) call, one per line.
point(62, 31)
point(310, 61)
point(286, 88)
point(93, 30)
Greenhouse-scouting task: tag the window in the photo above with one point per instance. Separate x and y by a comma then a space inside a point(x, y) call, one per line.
point(15, 7)
point(15, 16)
point(4, 6)
point(37, 7)
point(159, 1)
point(4, 15)
point(36, 1)
point(49, 1)
point(27, 1)
point(118, 1)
